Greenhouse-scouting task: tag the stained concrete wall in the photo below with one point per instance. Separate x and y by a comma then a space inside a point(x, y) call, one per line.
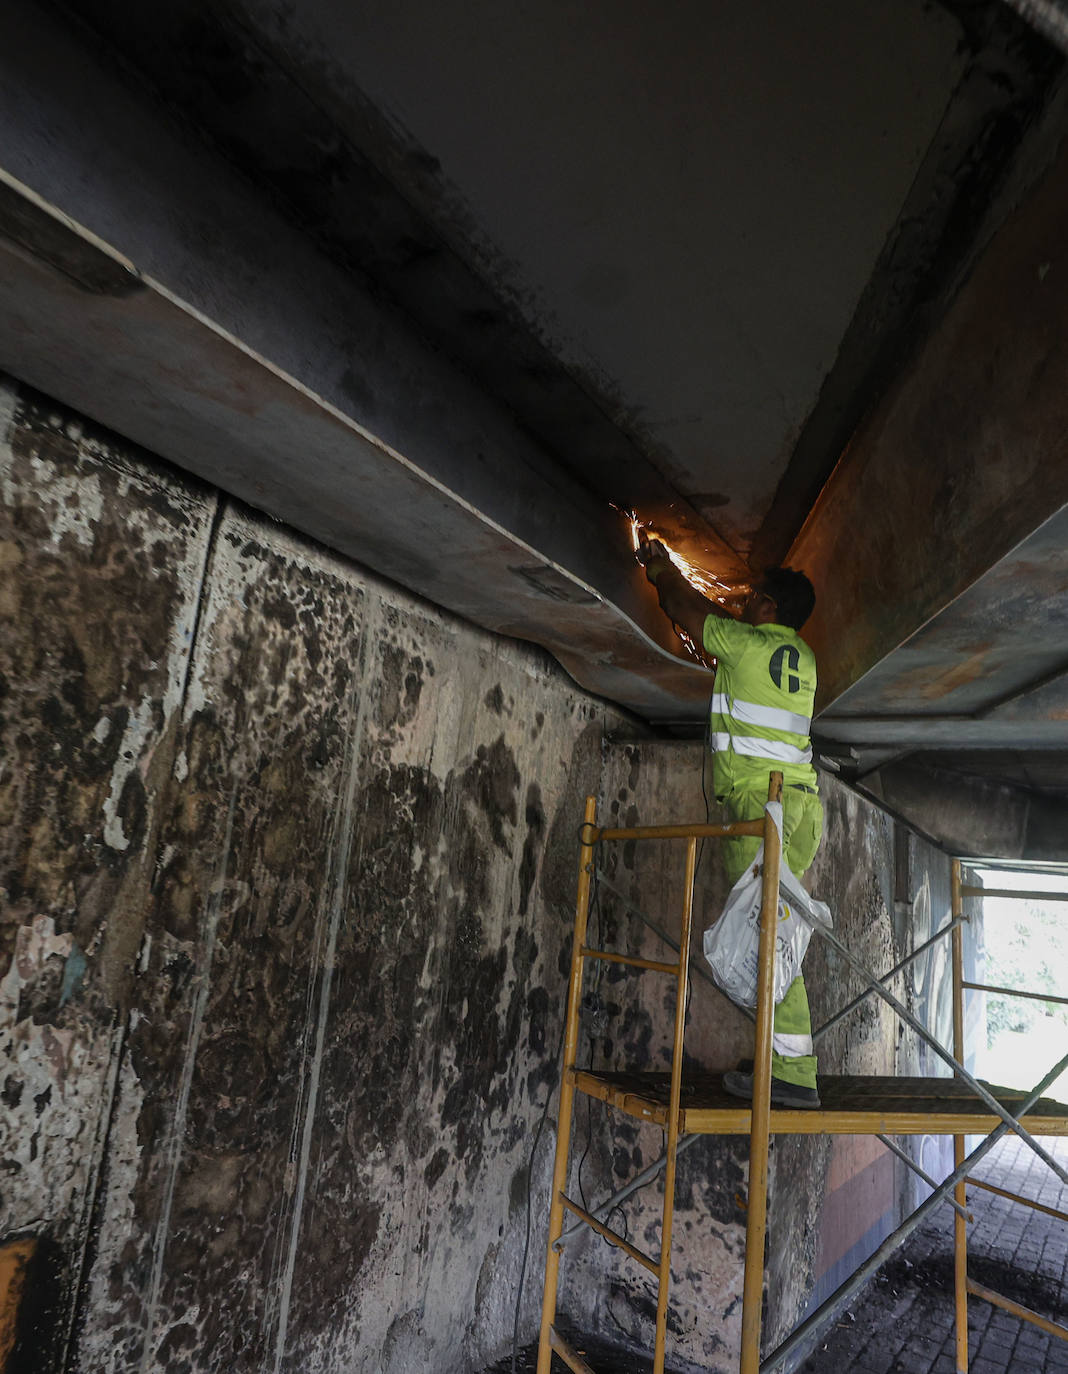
point(287, 863)
point(286, 878)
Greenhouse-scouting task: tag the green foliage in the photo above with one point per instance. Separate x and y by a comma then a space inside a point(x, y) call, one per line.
point(1027, 948)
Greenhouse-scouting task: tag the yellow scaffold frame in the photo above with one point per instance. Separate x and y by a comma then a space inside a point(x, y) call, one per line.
point(850, 1106)
point(963, 1285)
point(551, 1339)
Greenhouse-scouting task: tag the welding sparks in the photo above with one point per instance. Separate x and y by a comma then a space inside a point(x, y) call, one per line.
point(707, 583)
point(710, 586)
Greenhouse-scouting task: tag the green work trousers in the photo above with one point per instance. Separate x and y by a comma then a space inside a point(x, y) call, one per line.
point(792, 1059)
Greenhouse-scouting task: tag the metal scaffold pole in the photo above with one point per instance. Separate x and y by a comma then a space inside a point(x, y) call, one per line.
point(757, 1210)
point(567, 1091)
point(664, 1275)
point(839, 1300)
point(979, 1089)
point(960, 1232)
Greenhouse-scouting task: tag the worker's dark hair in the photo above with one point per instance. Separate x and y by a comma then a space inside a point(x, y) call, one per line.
point(792, 593)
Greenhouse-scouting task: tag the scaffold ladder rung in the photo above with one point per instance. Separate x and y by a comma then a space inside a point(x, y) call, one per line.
point(1015, 1197)
point(631, 960)
point(1017, 1309)
point(568, 1353)
point(1015, 893)
point(612, 1236)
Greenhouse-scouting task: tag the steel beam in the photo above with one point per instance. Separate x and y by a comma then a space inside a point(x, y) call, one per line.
point(147, 286)
point(970, 436)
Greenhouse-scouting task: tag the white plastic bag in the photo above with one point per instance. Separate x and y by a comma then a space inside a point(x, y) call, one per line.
point(732, 944)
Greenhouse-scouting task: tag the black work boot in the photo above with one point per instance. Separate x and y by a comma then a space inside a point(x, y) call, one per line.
point(783, 1094)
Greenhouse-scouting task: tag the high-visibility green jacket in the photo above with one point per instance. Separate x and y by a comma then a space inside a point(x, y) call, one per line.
point(761, 711)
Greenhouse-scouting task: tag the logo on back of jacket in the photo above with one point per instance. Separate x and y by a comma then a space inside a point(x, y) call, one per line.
point(786, 664)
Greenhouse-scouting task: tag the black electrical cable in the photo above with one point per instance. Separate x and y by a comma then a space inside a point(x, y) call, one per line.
point(628, 1334)
point(585, 1152)
point(598, 912)
point(530, 1174)
point(622, 1212)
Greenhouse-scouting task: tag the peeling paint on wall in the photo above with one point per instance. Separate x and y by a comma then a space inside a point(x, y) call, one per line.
point(339, 806)
point(101, 573)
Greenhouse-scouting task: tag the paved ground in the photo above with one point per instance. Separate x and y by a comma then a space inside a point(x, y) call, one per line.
point(903, 1322)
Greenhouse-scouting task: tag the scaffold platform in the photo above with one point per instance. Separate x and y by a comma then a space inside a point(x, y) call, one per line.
point(850, 1106)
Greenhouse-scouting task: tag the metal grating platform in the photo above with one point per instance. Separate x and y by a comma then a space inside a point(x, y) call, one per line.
point(851, 1106)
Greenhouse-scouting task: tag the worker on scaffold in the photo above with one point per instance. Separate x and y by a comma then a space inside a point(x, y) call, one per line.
point(761, 715)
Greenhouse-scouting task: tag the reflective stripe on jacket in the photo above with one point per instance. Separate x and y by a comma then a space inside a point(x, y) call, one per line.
point(761, 711)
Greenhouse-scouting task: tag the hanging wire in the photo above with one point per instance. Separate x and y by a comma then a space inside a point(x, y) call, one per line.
point(530, 1175)
point(597, 911)
point(585, 1152)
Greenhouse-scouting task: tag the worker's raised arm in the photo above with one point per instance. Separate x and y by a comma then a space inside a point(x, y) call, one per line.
point(682, 602)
